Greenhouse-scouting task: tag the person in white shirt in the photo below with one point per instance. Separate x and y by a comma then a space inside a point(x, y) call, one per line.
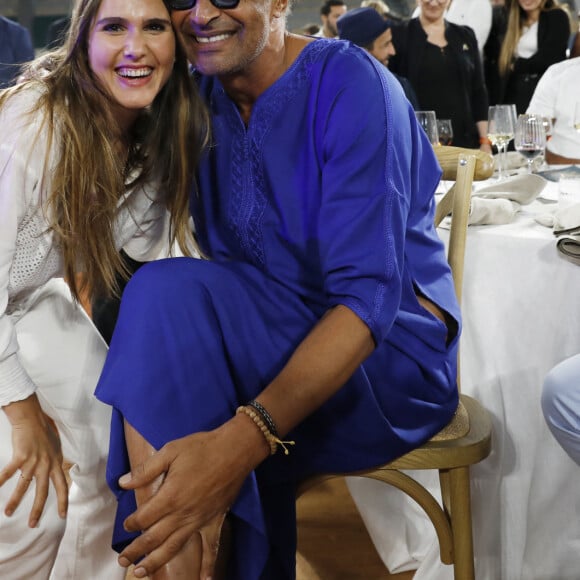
point(473, 13)
point(91, 161)
point(556, 96)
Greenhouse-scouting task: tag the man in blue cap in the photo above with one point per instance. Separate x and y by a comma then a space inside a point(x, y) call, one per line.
point(366, 28)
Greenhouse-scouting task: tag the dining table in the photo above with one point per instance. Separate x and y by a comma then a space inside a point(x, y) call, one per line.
point(521, 316)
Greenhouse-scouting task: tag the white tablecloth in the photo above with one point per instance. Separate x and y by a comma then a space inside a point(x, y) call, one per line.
point(521, 309)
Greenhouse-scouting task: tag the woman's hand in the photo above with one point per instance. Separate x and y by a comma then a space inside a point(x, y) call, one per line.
point(203, 474)
point(36, 452)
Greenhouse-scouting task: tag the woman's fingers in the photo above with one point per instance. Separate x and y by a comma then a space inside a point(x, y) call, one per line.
point(21, 488)
point(39, 500)
point(60, 484)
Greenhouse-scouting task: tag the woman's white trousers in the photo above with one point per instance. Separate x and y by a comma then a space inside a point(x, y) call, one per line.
point(63, 353)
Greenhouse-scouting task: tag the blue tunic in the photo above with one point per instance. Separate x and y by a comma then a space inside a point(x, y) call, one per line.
point(324, 198)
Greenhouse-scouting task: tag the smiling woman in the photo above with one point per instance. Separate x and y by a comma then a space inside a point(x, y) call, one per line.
point(132, 57)
point(87, 139)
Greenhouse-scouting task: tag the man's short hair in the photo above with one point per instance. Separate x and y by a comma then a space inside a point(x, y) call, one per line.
point(328, 4)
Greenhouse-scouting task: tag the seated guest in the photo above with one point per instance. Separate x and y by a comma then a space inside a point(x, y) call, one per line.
point(561, 405)
point(326, 314)
point(555, 97)
point(366, 28)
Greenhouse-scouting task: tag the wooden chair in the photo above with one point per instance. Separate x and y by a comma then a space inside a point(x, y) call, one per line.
point(467, 439)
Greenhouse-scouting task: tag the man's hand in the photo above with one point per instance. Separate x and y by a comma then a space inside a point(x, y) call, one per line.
point(203, 474)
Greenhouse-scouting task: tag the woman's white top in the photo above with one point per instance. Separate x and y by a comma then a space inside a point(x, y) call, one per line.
point(28, 254)
point(528, 43)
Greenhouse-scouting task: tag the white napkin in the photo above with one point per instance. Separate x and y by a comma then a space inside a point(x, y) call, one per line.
point(522, 189)
point(492, 211)
point(563, 221)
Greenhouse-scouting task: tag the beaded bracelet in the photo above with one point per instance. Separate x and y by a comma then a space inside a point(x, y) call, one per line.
point(271, 439)
point(265, 415)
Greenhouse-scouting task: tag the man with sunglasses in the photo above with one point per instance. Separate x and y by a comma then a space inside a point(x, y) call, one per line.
point(323, 327)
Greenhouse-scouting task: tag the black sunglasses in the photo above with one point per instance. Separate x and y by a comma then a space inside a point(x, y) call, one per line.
point(188, 4)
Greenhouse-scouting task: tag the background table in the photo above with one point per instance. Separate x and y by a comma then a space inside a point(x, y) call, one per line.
point(521, 309)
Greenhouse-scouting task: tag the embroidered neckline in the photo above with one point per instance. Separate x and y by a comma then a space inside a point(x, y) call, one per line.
point(248, 200)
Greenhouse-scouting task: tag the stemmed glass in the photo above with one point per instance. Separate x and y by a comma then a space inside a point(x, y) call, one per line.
point(445, 131)
point(530, 137)
point(428, 121)
point(501, 123)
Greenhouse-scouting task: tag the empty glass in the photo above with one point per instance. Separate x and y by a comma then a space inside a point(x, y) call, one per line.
point(445, 131)
point(428, 121)
point(530, 137)
point(501, 124)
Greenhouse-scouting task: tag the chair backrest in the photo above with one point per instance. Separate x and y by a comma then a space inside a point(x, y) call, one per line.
point(463, 166)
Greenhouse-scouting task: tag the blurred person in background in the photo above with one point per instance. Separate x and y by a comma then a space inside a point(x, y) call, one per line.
point(557, 97)
point(527, 37)
point(366, 28)
point(442, 62)
point(15, 49)
point(477, 14)
point(330, 12)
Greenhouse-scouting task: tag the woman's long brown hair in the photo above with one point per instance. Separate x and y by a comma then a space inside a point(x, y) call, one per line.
point(91, 174)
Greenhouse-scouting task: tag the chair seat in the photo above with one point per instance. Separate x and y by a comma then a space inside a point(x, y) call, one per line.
point(457, 427)
point(460, 451)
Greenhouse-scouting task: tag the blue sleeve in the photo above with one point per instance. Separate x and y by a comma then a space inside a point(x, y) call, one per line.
point(378, 169)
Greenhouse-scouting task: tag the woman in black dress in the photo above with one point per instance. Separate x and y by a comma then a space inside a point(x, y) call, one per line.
point(442, 62)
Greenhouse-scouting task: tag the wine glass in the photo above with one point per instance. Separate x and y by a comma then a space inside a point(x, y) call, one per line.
point(530, 137)
point(501, 122)
point(428, 121)
point(445, 131)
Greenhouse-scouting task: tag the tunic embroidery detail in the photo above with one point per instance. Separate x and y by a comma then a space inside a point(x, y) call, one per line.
point(248, 201)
